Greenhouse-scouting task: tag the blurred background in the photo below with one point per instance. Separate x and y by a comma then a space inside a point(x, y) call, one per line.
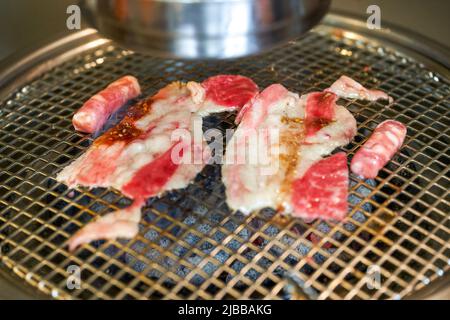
point(25, 22)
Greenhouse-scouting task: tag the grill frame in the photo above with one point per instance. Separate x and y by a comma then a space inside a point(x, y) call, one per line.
point(67, 48)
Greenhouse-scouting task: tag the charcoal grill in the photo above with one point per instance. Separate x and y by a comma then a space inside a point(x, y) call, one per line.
point(190, 245)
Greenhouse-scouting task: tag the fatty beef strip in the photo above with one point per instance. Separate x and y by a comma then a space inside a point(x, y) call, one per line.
point(94, 112)
point(346, 87)
point(385, 141)
point(301, 182)
point(141, 158)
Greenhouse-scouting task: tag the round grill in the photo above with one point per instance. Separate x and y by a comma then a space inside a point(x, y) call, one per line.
point(190, 245)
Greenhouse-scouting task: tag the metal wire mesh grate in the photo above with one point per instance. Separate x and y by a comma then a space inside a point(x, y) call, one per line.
point(190, 245)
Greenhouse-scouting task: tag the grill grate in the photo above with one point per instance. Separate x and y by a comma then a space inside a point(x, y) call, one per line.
point(190, 245)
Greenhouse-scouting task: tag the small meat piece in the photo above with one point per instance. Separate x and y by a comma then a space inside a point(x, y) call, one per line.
point(94, 113)
point(118, 224)
point(385, 141)
point(225, 93)
point(230, 90)
point(322, 191)
point(346, 87)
